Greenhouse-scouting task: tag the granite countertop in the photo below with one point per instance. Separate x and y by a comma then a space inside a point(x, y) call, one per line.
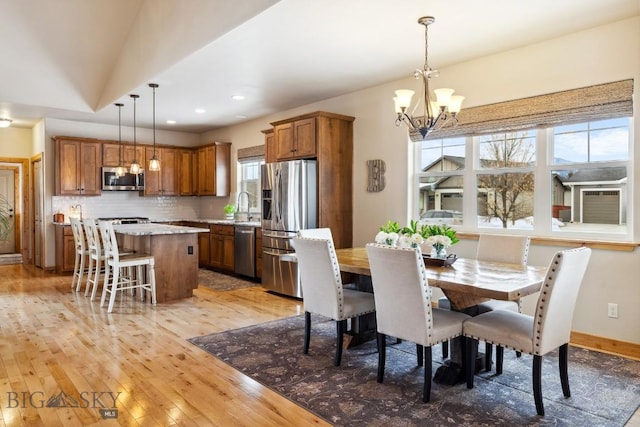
point(155, 229)
point(212, 221)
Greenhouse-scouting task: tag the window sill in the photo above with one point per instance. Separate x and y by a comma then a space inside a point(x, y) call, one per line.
point(571, 243)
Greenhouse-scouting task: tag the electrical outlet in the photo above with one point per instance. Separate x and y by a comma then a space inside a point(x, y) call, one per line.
point(189, 250)
point(612, 310)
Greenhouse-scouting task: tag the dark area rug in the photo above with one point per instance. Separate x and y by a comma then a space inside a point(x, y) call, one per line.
point(605, 389)
point(222, 282)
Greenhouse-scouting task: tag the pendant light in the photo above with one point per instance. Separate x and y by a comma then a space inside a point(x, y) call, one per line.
point(120, 168)
point(135, 166)
point(154, 163)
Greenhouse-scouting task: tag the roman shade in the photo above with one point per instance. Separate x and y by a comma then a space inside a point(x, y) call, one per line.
point(598, 102)
point(251, 153)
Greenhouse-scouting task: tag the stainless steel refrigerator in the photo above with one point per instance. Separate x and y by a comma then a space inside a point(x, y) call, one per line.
point(289, 204)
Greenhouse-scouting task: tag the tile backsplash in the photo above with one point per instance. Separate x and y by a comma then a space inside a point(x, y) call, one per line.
point(129, 204)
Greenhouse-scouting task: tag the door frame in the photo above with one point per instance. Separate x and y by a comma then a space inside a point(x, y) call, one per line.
point(23, 228)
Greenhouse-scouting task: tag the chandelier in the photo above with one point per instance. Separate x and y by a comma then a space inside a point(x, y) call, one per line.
point(435, 114)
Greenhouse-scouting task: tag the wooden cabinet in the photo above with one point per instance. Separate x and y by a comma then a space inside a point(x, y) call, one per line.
point(258, 252)
point(77, 167)
point(269, 147)
point(111, 154)
point(295, 139)
point(65, 249)
point(188, 172)
point(328, 138)
point(214, 170)
point(164, 182)
point(222, 247)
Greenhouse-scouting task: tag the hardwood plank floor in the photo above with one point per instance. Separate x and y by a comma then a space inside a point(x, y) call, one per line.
point(55, 340)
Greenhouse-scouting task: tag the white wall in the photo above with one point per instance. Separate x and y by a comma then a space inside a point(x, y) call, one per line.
point(599, 55)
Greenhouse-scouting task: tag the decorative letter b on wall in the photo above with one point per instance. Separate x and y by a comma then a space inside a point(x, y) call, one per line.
point(376, 175)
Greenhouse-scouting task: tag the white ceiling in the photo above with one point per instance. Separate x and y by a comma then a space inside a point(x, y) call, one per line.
point(72, 59)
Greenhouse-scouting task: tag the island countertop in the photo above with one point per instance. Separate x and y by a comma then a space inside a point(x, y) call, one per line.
point(155, 229)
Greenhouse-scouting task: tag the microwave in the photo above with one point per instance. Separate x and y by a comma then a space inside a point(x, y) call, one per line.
point(127, 182)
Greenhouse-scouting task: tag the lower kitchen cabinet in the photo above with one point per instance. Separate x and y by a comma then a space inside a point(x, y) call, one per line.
point(65, 249)
point(258, 252)
point(222, 247)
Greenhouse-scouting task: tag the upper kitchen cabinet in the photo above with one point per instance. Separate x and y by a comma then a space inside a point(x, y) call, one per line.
point(78, 164)
point(295, 139)
point(164, 182)
point(111, 154)
point(269, 147)
point(214, 169)
point(188, 172)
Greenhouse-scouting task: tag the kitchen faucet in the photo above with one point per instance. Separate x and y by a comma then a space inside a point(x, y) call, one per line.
point(248, 204)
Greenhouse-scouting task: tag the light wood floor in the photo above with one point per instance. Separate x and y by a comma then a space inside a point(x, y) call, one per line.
point(54, 340)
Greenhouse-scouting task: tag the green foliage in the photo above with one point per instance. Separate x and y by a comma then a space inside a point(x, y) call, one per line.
point(441, 230)
point(230, 209)
point(413, 228)
point(390, 227)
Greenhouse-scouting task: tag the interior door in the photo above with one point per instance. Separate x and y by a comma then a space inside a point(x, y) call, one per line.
point(7, 212)
point(38, 212)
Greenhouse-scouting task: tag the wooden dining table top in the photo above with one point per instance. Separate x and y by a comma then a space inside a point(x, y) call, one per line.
point(468, 281)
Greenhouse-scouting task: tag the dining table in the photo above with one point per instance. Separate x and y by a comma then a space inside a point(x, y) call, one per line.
point(466, 283)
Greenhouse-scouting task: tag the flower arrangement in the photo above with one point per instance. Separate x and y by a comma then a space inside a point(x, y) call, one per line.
point(439, 237)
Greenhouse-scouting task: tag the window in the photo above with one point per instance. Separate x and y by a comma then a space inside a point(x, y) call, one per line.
point(556, 180)
point(249, 181)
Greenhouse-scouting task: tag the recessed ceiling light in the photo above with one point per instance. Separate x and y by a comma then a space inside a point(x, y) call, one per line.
point(171, 122)
point(200, 110)
point(240, 116)
point(5, 123)
point(237, 97)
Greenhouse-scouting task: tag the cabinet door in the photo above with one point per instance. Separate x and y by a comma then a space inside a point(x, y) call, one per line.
point(69, 253)
point(228, 256)
point(129, 155)
point(187, 173)
point(169, 171)
point(222, 171)
point(270, 154)
point(152, 179)
point(110, 154)
point(305, 137)
point(68, 173)
point(207, 171)
point(216, 250)
point(91, 155)
point(283, 136)
point(203, 249)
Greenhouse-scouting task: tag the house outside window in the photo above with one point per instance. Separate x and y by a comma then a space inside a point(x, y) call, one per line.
point(567, 179)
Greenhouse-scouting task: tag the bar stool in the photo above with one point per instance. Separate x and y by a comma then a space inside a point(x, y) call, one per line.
point(81, 253)
point(96, 258)
point(117, 262)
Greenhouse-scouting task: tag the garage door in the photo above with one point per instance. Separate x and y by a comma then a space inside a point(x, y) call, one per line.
point(601, 207)
point(451, 201)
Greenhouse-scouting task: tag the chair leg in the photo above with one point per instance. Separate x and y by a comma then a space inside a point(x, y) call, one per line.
point(89, 275)
point(152, 282)
point(96, 280)
point(537, 383)
point(341, 326)
point(564, 369)
point(420, 353)
point(470, 360)
point(499, 359)
point(445, 349)
point(426, 391)
point(488, 356)
point(114, 289)
point(307, 332)
point(382, 350)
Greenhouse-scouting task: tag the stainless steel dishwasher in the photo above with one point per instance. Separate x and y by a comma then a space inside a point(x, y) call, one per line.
point(245, 250)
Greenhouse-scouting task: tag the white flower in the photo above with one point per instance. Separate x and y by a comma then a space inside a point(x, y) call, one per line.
point(439, 240)
point(392, 239)
point(417, 239)
point(381, 238)
point(404, 241)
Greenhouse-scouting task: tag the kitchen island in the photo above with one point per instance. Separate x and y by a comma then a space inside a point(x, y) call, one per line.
point(175, 249)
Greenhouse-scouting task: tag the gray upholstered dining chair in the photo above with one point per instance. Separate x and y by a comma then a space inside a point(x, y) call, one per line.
point(322, 290)
point(510, 249)
point(403, 306)
point(548, 329)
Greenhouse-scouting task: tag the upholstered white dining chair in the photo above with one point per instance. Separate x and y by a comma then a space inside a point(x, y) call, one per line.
point(403, 306)
point(316, 233)
point(322, 290)
point(81, 251)
point(118, 263)
point(548, 329)
point(509, 249)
